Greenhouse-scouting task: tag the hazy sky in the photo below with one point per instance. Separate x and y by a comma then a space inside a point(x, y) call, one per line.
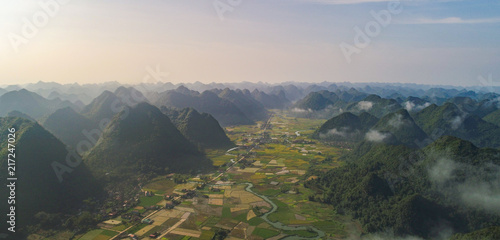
point(88, 41)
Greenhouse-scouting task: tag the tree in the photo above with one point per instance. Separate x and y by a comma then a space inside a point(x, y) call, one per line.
point(179, 178)
point(285, 188)
point(206, 179)
point(85, 221)
point(220, 234)
point(48, 220)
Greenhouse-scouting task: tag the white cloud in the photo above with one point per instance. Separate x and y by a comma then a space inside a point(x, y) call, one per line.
point(411, 106)
point(375, 136)
point(397, 121)
point(365, 105)
point(442, 171)
point(479, 189)
point(333, 132)
point(485, 195)
point(457, 122)
point(300, 110)
point(450, 20)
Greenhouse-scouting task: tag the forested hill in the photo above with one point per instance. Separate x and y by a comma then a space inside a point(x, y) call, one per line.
point(45, 181)
point(445, 186)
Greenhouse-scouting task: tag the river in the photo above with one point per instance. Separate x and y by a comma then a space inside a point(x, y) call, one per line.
point(280, 225)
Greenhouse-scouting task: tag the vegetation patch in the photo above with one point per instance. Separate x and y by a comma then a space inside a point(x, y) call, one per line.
point(265, 233)
point(149, 201)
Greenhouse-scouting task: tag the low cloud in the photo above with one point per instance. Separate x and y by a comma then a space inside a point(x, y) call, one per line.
point(442, 171)
point(300, 110)
point(365, 105)
point(388, 236)
point(442, 230)
point(456, 122)
point(397, 121)
point(342, 132)
point(333, 132)
point(376, 136)
point(412, 107)
point(472, 186)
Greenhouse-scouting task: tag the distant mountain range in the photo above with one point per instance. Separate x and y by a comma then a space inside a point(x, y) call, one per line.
point(125, 132)
point(30, 103)
point(227, 106)
point(286, 92)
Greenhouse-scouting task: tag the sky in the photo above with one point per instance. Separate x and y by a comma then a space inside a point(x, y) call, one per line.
point(448, 42)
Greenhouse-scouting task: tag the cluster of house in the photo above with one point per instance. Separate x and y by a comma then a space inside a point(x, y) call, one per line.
point(120, 201)
point(175, 199)
point(132, 215)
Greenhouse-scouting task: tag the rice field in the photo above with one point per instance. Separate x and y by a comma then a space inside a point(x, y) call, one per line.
point(281, 162)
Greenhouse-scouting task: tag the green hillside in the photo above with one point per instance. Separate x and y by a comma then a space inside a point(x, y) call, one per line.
point(493, 117)
point(105, 106)
point(143, 142)
point(246, 103)
point(375, 105)
point(30, 103)
point(428, 188)
point(68, 126)
point(226, 112)
point(314, 101)
point(402, 126)
point(448, 119)
point(38, 187)
point(201, 129)
point(346, 127)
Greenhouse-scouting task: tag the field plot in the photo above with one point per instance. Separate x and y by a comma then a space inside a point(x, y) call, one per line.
point(160, 186)
point(276, 166)
point(187, 186)
point(144, 230)
point(162, 216)
point(220, 157)
point(149, 201)
point(283, 159)
point(187, 232)
point(216, 201)
point(99, 234)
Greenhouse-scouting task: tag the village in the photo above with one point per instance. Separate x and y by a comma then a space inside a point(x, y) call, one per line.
point(218, 206)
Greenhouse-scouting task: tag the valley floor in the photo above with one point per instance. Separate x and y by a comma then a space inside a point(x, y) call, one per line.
point(274, 157)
